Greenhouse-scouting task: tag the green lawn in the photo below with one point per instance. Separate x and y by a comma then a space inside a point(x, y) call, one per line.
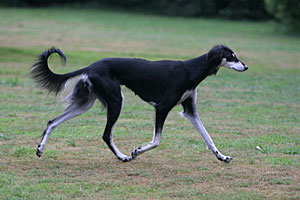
point(240, 111)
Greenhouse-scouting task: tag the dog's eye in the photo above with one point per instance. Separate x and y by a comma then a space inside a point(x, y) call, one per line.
point(233, 55)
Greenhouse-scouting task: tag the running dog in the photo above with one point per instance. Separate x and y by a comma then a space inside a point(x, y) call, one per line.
point(163, 84)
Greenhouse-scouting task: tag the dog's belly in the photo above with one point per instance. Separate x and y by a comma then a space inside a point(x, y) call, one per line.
point(184, 96)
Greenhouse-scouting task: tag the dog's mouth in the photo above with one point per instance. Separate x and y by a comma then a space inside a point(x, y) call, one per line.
point(245, 68)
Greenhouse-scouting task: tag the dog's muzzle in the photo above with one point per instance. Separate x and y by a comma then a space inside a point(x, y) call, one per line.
point(237, 66)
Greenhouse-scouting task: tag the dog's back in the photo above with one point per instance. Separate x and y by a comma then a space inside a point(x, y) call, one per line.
point(148, 79)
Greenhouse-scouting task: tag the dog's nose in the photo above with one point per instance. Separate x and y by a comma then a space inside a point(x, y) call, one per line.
point(246, 67)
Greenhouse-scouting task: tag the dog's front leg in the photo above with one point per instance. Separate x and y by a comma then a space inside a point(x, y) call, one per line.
point(153, 144)
point(159, 122)
point(190, 112)
point(206, 137)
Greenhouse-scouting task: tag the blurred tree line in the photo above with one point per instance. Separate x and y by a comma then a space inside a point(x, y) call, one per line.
point(285, 11)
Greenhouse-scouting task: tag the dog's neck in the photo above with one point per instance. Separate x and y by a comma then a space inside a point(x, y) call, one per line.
point(199, 68)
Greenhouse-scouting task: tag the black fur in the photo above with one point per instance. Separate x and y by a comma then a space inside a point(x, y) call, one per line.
point(41, 73)
point(161, 83)
point(151, 80)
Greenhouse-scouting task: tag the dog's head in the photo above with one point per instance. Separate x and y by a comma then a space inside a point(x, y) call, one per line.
point(221, 55)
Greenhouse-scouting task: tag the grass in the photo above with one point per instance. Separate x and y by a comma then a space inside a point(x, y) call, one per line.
point(240, 110)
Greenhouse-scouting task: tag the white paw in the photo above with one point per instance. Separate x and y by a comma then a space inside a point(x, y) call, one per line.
point(223, 158)
point(135, 152)
point(227, 159)
point(127, 159)
point(39, 151)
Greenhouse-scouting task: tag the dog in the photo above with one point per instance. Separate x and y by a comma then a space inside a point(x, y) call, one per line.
point(163, 84)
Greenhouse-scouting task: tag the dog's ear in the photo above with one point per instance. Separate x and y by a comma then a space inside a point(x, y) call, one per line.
point(214, 58)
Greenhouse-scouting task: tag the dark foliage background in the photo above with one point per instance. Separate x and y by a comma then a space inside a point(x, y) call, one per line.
point(286, 12)
point(235, 9)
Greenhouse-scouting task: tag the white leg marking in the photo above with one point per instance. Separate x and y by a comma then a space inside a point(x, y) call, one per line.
point(206, 137)
point(50, 128)
point(120, 155)
point(72, 112)
point(195, 120)
point(154, 143)
point(201, 129)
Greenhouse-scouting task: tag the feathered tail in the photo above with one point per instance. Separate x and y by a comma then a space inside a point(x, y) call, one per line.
point(43, 76)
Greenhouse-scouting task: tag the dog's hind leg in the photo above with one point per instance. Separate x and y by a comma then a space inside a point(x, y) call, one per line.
point(109, 94)
point(114, 107)
point(81, 100)
point(190, 112)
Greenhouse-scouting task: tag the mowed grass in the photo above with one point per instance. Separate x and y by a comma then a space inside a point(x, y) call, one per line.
point(240, 111)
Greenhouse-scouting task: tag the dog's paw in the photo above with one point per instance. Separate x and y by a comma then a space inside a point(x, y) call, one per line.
point(227, 159)
point(126, 159)
point(134, 153)
point(223, 158)
point(39, 152)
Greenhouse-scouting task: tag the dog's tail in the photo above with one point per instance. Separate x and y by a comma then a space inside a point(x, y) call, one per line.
point(42, 75)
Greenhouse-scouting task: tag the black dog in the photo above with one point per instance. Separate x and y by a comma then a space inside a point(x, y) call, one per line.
point(163, 84)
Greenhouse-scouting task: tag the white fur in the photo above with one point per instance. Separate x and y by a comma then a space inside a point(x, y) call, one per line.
point(117, 151)
point(154, 143)
point(120, 155)
point(67, 99)
point(238, 66)
point(195, 120)
point(152, 103)
point(185, 95)
point(68, 114)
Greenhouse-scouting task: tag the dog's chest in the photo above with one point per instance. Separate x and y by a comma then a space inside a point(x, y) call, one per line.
point(185, 95)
